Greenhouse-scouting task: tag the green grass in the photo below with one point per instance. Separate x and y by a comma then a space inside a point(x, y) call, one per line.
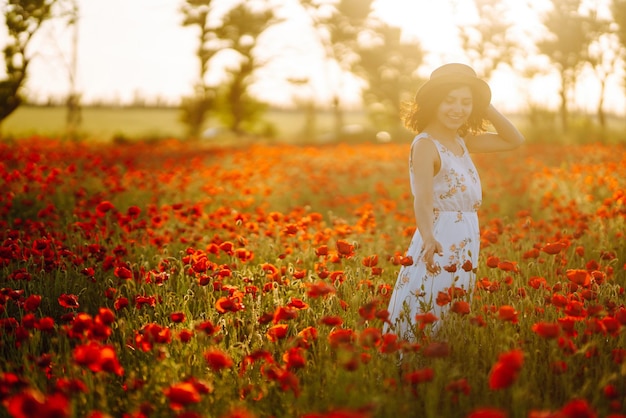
point(105, 123)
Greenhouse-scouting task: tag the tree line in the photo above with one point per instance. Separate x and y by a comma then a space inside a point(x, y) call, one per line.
point(579, 35)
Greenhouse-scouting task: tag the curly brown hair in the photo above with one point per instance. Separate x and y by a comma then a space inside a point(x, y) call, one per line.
point(416, 117)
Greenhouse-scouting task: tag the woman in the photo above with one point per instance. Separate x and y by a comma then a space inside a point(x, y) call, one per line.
point(448, 116)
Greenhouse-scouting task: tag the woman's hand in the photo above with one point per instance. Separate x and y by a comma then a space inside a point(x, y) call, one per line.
point(432, 247)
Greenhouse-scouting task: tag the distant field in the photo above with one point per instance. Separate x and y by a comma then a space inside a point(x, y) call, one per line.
point(107, 123)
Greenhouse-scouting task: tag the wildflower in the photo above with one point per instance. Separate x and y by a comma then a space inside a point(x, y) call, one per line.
point(341, 337)
point(546, 330)
point(32, 303)
point(229, 304)
point(284, 314)
point(443, 298)
point(98, 358)
point(294, 358)
point(68, 301)
point(217, 359)
point(207, 327)
point(507, 313)
point(420, 376)
point(580, 277)
point(333, 321)
point(277, 332)
point(104, 207)
point(425, 319)
point(505, 371)
point(461, 307)
point(181, 394)
point(177, 317)
point(578, 408)
point(553, 248)
point(32, 403)
point(319, 289)
point(297, 304)
point(345, 249)
point(370, 261)
point(123, 272)
point(487, 413)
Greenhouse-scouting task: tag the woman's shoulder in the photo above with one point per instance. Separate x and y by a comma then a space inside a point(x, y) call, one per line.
point(424, 145)
point(420, 137)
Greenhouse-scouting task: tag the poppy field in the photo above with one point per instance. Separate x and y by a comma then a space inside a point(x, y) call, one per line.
point(173, 279)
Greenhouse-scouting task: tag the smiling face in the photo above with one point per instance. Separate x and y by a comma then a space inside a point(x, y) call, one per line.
point(455, 109)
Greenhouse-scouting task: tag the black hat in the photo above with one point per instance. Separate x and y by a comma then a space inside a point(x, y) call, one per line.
point(454, 74)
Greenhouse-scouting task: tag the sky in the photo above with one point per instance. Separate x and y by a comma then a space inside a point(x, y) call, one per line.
point(139, 48)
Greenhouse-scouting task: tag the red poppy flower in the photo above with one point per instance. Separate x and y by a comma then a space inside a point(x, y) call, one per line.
point(333, 321)
point(283, 313)
point(505, 371)
point(32, 303)
point(104, 207)
point(177, 317)
point(467, 266)
point(406, 261)
point(578, 408)
point(580, 277)
point(420, 376)
point(297, 304)
point(207, 327)
point(487, 413)
point(122, 272)
point(120, 303)
point(31, 403)
point(461, 307)
point(492, 261)
point(229, 304)
point(185, 335)
point(98, 358)
point(294, 358)
point(68, 301)
point(436, 349)
point(345, 249)
point(507, 313)
point(546, 329)
point(341, 337)
point(182, 394)
point(370, 261)
point(443, 298)
point(425, 319)
point(277, 332)
point(553, 248)
point(319, 289)
point(217, 359)
point(508, 266)
point(450, 268)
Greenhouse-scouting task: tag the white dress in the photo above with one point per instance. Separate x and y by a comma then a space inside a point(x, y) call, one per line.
point(457, 195)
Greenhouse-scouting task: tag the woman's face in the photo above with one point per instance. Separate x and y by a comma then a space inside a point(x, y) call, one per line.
point(455, 108)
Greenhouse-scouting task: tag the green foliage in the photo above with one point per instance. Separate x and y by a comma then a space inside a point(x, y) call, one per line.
point(388, 64)
point(23, 19)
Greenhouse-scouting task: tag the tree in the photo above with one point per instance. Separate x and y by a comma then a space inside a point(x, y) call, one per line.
point(338, 25)
point(240, 32)
point(69, 11)
point(195, 109)
point(388, 64)
point(567, 47)
point(603, 56)
point(23, 19)
point(618, 10)
point(488, 42)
